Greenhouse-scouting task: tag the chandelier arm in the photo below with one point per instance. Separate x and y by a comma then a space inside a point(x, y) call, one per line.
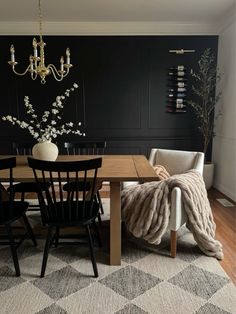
point(55, 72)
point(57, 75)
point(21, 74)
point(34, 75)
point(67, 72)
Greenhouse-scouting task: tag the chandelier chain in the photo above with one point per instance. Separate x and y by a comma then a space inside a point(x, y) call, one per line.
point(40, 20)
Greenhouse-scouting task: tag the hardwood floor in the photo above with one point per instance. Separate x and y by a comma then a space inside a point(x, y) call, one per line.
point(225, 219)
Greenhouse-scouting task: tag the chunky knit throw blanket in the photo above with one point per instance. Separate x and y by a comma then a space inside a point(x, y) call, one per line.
point(146, 210)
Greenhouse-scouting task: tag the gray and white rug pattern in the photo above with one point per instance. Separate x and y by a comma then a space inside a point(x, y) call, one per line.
point(148, 281)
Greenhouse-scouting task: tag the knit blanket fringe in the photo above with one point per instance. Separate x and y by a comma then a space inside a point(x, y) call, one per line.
point(146, 210)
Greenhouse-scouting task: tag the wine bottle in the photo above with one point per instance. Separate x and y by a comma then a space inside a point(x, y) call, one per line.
point(181, 89)
point(174, 110)
point(176, 84)
point(174, 79)
point(172, 102)
point(180, 95)
point(177, 105)
point(178, 68)
point(180, 106)
point(178, 73)
point(176, 95)
point(181, 79)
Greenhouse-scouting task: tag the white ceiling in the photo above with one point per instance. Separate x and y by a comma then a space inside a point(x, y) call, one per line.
point(117, 11)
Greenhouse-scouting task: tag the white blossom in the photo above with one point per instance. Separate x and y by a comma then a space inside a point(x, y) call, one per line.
point(48, 127)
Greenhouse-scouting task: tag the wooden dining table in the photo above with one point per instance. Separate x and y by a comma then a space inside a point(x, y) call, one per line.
point(115, 170)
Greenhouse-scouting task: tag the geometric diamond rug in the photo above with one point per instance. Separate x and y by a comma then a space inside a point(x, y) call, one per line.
point(148, 280)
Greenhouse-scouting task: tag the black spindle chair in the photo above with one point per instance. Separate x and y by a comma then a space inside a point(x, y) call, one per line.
point(86, 148)
point(10, 211)
point(61, 209)
point(24, 187)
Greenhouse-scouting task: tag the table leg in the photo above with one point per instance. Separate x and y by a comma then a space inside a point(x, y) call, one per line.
point(115, 224)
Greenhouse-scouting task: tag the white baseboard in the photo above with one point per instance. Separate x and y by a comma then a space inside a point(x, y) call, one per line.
point(223, 190)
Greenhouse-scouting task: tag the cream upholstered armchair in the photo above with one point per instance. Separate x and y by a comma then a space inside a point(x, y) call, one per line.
point(176, 162)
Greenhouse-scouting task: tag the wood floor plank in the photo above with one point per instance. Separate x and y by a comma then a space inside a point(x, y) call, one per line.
point(225, 219)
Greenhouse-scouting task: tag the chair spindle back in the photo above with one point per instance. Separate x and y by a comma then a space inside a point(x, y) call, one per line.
point(85, 148)
point(57, 204)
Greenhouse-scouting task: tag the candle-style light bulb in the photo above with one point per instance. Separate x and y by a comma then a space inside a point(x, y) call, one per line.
point(67, 56)
point(62, 63)
point(12, 51)
point(34, 43)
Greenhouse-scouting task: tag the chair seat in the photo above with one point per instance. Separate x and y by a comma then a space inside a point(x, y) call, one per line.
point(8, 216)
point(60, 215)
point(27, 187)
point(73, 186)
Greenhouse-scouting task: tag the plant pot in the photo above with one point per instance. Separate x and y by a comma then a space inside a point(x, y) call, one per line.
point(45, 151)
point(208, 175)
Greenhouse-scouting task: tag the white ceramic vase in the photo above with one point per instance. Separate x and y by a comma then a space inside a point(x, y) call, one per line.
point(45, 151)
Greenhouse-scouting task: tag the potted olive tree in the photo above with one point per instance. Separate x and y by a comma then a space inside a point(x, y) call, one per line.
point(205, 98)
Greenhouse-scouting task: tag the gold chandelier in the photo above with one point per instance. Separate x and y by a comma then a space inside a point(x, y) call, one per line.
point(37, 65)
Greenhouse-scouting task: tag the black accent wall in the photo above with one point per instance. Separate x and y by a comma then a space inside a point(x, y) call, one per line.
point(122, 93)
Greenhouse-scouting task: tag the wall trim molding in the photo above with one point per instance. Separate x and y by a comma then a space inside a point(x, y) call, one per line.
point(142, 138)
point(124, 138)
point(107, 28)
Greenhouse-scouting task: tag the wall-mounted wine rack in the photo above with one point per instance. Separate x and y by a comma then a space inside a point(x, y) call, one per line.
point(177, 89)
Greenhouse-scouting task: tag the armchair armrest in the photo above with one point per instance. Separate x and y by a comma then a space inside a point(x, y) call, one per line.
point(177, 216)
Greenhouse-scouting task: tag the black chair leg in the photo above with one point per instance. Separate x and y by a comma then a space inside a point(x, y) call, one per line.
point(97, 234)
point(13, 195)
point(45, 253)
point(13, 250)
point(29, 230)
point(99, 219)
point(22, 196)
point(92, 252)
point(100, 202)
point(57, 236)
